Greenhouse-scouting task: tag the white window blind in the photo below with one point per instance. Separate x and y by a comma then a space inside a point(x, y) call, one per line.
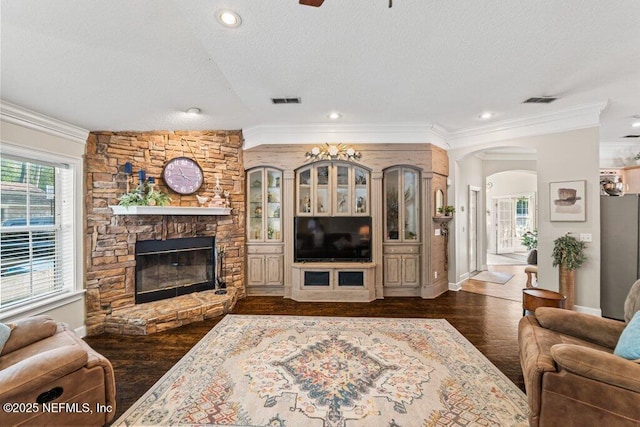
point(36, 218)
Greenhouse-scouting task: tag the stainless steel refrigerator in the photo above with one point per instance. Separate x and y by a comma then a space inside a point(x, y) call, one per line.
point(620, 251)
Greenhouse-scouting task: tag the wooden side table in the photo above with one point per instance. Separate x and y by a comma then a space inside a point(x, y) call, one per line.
point(533, 298)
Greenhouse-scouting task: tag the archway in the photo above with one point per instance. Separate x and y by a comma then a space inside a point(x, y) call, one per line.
point(509, 173)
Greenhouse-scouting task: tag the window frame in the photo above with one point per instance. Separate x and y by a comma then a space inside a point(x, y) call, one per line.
point(74, 291)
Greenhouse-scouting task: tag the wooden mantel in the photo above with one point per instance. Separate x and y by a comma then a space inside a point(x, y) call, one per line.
point(168, 210)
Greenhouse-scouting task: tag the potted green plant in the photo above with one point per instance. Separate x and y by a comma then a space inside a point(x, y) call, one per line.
point(157, 198)
point(449, 210)
point(568, 254)
point(144, 195)
point(530, 241)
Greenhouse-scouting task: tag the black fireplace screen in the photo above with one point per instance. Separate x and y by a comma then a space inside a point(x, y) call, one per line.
point(172, 267)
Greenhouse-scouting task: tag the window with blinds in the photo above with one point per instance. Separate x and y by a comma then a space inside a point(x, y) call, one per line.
point(36, 233)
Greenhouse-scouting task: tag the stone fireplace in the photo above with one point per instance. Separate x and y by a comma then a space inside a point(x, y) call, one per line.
point(111, 239)
point(173, 267)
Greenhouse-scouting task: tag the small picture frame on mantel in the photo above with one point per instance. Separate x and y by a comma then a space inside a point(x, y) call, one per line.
point(568, 201)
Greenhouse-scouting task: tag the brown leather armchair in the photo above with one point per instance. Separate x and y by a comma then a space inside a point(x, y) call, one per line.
point(570, 373)
point(49, 376)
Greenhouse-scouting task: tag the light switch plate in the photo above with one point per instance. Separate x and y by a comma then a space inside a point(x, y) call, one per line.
point(586, 237)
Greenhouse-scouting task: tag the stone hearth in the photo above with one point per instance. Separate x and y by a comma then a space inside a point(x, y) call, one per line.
point(157, 316)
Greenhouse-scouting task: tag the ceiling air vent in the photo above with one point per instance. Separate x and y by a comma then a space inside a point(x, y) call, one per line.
point(631, 136)
point(540, 100)
point(285, 100)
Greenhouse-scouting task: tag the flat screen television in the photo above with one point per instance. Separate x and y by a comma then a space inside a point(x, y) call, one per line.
point(338, 238)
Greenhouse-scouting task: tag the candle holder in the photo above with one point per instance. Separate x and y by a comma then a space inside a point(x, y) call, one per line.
point(128, 171)
point(144, 193)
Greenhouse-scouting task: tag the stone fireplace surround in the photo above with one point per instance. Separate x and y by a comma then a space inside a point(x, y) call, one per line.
point(110, 239)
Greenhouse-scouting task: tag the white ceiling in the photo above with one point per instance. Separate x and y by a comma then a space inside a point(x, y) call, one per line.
point(138, 65)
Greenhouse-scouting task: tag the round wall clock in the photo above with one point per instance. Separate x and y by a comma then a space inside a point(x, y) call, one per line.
point(183, 175)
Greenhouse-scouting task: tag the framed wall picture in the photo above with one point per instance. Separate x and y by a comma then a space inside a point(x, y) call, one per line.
point(567, 201)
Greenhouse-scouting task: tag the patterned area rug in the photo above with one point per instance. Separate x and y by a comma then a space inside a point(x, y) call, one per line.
point(290, 371)
point(493, 277)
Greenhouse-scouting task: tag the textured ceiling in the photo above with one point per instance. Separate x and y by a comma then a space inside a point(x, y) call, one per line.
point(138, 65)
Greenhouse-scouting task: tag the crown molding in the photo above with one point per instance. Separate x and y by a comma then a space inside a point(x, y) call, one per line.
point(20, 116)
point(563, 120)
point(568, 119)
point(344, 133)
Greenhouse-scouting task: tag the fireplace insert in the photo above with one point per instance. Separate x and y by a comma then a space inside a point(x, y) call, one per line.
point(172, 267)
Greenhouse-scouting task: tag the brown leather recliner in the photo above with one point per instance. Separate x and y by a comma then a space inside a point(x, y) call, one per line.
point(571, 375)
point(49, 376)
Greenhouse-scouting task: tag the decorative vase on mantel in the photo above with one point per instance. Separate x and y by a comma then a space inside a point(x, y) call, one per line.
point(567, 282)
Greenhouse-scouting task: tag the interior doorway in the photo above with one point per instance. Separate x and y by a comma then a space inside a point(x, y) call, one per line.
point(511, 200)
point(510, 209)
point(473, 250)
point(505, 208)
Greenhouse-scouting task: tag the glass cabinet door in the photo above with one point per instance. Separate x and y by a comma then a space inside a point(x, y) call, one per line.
point(410, 184)
point(328, 188)
point(274, 204)
point(343, 199)
point(322, 190)
point(361, 185)
point(256, 204)
point(264, 205)
point(392, 205)
point(402, 204)
point(304, 192)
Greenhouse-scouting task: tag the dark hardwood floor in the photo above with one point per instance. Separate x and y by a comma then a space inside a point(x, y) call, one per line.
point(489, 323)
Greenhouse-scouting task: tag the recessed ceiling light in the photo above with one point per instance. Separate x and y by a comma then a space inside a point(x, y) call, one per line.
point(485, 116)
point(193, 110)
point(228, 18)
point(635, 125)
point(334, 116)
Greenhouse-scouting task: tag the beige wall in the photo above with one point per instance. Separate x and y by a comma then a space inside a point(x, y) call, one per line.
point(17, 137)
point(564, 156)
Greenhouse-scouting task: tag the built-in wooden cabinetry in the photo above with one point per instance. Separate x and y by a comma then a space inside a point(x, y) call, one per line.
point(397, 186)
point(265, 247)
point(401, 265)
point(332, 189)
point(402, 255)
point(334, 282)
point(401, 204)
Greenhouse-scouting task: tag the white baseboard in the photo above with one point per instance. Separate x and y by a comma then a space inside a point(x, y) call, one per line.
point(588, 310)
point(81, 331)
point(455, 286)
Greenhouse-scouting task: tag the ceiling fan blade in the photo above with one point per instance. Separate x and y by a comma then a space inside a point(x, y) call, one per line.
point(315, 3)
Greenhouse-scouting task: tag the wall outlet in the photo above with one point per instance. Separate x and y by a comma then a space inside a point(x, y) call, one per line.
point(586, 237)
point(437, 232)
